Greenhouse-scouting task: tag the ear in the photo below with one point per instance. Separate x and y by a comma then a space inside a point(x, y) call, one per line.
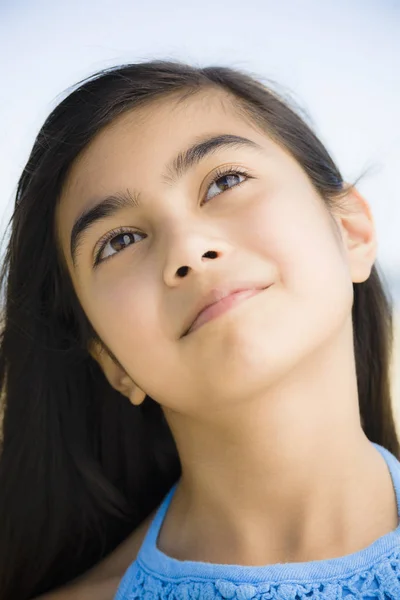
point(358, 234)
point(116, 375)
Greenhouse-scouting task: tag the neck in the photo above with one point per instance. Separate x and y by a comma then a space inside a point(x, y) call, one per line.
point(283, 476)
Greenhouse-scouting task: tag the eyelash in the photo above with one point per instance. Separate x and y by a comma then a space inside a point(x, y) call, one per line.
point(221, 172)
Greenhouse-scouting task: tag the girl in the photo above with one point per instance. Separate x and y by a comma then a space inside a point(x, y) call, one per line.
point(195, 354)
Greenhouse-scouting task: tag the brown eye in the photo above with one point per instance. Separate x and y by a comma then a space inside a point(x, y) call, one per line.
point(224, 181)
point(117, 242)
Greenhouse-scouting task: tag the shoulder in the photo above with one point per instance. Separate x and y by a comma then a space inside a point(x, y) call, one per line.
point(114, 566)
point(102, 581)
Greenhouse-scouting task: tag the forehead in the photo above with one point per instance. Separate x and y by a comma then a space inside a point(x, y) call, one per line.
point(132, 151)
point(144, 138)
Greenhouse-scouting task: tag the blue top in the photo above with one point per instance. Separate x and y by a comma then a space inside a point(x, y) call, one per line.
point(371, 573)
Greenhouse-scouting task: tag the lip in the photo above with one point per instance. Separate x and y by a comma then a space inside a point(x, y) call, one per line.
point(220, 300)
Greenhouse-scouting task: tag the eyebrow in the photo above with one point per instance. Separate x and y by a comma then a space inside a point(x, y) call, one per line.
point(175, 170)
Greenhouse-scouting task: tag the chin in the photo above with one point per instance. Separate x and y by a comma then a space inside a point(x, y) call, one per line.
point(249, 362)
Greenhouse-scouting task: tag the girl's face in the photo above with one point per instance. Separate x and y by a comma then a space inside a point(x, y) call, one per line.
point(142, 209)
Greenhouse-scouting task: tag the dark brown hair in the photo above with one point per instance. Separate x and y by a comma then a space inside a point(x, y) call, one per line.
point(80, 466)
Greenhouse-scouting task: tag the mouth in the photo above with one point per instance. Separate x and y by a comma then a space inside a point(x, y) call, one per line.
point(221, 306)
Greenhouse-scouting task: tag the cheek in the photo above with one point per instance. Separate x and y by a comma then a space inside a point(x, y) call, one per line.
point(123, 314)
point(293, 235)
point(128, 319)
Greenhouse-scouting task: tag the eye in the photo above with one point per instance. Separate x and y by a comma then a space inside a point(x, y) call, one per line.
point(119, 239)
point(114, 242)
point(224, 179)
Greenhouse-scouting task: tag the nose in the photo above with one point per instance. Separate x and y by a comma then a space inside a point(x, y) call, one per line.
point(189, 251)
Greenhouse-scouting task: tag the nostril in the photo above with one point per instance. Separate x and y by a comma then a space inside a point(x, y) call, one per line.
point(210, 254)
point(182, 271)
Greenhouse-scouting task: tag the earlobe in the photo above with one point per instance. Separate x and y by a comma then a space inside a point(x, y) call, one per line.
point(128, 388)
point(137, 396)
point(116, 375)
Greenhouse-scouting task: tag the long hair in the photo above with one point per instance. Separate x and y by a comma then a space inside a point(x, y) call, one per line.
point(81, 467)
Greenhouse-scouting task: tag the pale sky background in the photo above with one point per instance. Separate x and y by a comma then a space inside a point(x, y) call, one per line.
point(340, 59)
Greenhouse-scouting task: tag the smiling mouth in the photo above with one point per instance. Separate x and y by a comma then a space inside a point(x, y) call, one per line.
point(221, 307)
